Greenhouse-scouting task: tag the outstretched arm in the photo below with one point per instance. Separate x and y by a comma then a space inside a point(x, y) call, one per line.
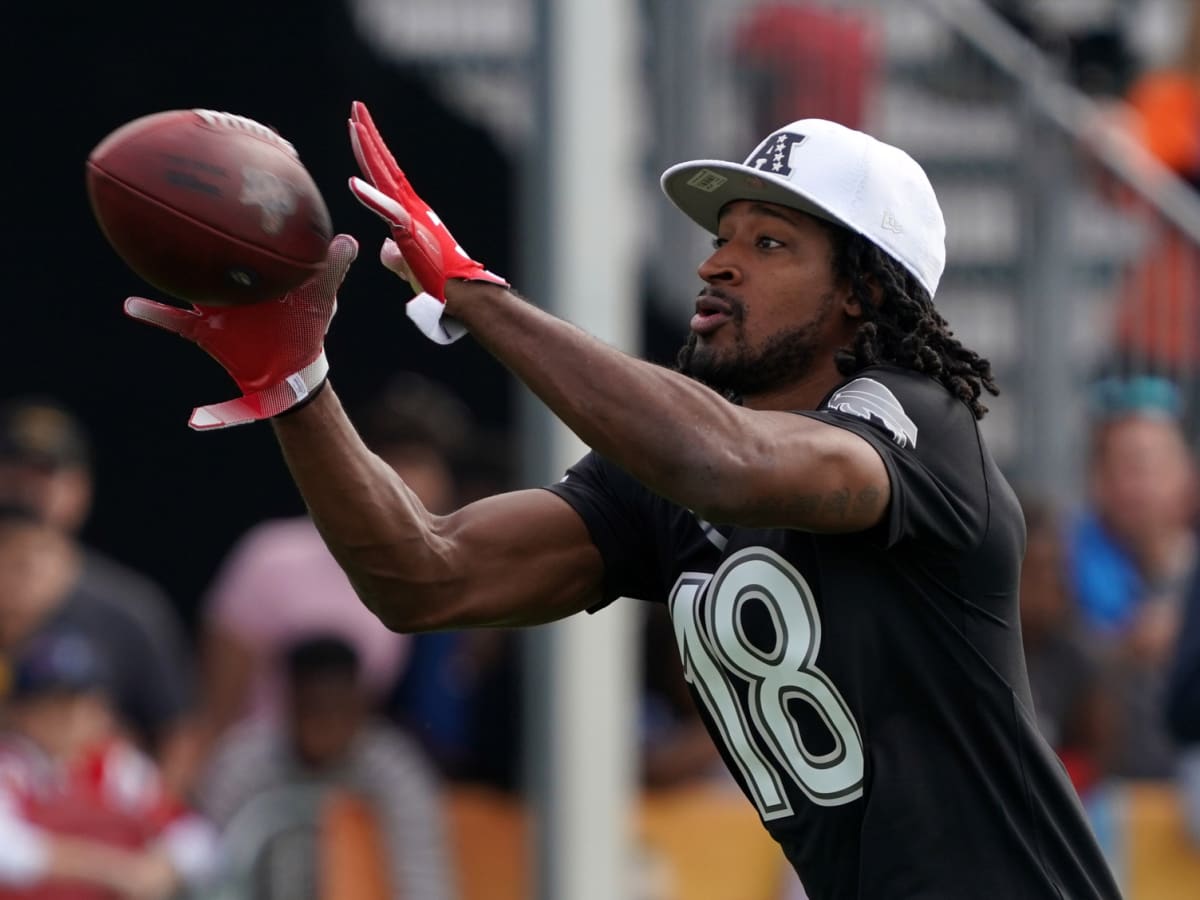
point(679, 438)
point(520, 558)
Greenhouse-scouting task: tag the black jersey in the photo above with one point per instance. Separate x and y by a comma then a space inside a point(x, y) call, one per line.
point(868, 690)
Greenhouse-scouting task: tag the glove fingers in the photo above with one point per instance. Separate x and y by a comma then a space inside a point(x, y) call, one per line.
point(378, 171)
point(359, 112)
point(356, 145)
point(320, 291)
point(381, 159)
point(171, 318)
point(372, 166)
point(370, 132)
point(388, 209)
point(375, 161)
point(393, 260)
point(342, 252)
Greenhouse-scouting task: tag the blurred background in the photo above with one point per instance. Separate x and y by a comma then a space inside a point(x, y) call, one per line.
point(297, 748)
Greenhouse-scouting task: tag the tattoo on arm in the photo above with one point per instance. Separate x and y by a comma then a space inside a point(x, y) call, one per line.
point(867, 500)
point(805, 505)
point(834, 506)
point(837, 504)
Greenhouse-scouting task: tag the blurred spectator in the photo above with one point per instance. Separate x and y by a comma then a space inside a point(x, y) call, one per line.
point(1133, 551)
point(1183, 697)
point(45, 466)
point(461, 692)
point(1189, 788)
point(1183, 704)
point(1166, 106)
point(280, 584)
point(41, 588)
point(806, 60)
point(83, 813)
point(328, 741)
point(1066, 675)
point(482, 671)
point(1158, 321)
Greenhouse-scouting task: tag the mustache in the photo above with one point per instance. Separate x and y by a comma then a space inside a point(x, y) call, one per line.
point(737, 308)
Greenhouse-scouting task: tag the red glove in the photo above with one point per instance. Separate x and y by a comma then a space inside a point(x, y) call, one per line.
point(430, 253)
point(274, 350)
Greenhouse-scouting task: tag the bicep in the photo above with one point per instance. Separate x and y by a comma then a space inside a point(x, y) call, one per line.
point(520, 558)
point(797, 472)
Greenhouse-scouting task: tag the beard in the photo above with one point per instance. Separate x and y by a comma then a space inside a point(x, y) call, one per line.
point(741, 370)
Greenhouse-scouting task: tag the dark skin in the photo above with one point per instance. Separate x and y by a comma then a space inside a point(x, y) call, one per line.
point(525, 557)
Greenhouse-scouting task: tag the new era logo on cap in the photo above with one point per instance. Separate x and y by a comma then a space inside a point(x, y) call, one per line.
point(774, 155)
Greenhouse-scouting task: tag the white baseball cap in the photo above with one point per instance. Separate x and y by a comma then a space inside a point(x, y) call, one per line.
point(831, 171)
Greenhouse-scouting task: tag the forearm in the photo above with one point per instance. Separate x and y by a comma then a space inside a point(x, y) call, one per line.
point(30, 855)
point(517, 558)
point(374, 525)
point(673, 434)
point(143, 874)
point(81, 860)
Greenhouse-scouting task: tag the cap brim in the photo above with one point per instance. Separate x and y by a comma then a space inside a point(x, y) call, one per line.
point(702, 187)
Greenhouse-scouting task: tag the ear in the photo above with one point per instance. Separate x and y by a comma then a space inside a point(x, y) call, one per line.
point(850, 303)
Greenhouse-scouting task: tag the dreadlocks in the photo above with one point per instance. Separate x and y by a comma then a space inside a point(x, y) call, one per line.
point(900, 325)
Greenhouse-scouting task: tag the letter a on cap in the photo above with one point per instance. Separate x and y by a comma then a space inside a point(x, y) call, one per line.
point(774, 155)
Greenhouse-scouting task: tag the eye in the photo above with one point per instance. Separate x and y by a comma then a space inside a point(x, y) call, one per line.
point(768, 243)
point(718, 243)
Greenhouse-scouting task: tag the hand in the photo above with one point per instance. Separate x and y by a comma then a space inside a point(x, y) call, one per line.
point(429, 252)
point(1152, 634)
point(274, 350)
point(148, 875)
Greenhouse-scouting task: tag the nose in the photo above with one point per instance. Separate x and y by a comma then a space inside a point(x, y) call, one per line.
point(720, 267)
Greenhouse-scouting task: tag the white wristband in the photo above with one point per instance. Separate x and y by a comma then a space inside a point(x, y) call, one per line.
point(428, 314)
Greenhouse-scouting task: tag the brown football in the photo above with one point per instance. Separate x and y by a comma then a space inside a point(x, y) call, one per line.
point(209, 207)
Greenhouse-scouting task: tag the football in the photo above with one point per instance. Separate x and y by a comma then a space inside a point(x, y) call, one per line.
point(210, 207)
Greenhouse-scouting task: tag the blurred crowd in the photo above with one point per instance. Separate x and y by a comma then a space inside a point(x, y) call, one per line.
point(137, 760)
point(289, 745)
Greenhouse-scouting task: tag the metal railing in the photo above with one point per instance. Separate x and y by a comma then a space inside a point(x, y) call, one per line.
point(1127, 305)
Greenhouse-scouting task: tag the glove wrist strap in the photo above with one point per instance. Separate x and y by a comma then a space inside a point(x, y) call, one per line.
point(428, 313)
point(279, 397)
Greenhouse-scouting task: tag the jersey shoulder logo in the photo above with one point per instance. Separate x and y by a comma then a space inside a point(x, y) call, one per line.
point(868, 399)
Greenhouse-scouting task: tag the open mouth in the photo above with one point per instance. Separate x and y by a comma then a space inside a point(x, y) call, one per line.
point(711, 313)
